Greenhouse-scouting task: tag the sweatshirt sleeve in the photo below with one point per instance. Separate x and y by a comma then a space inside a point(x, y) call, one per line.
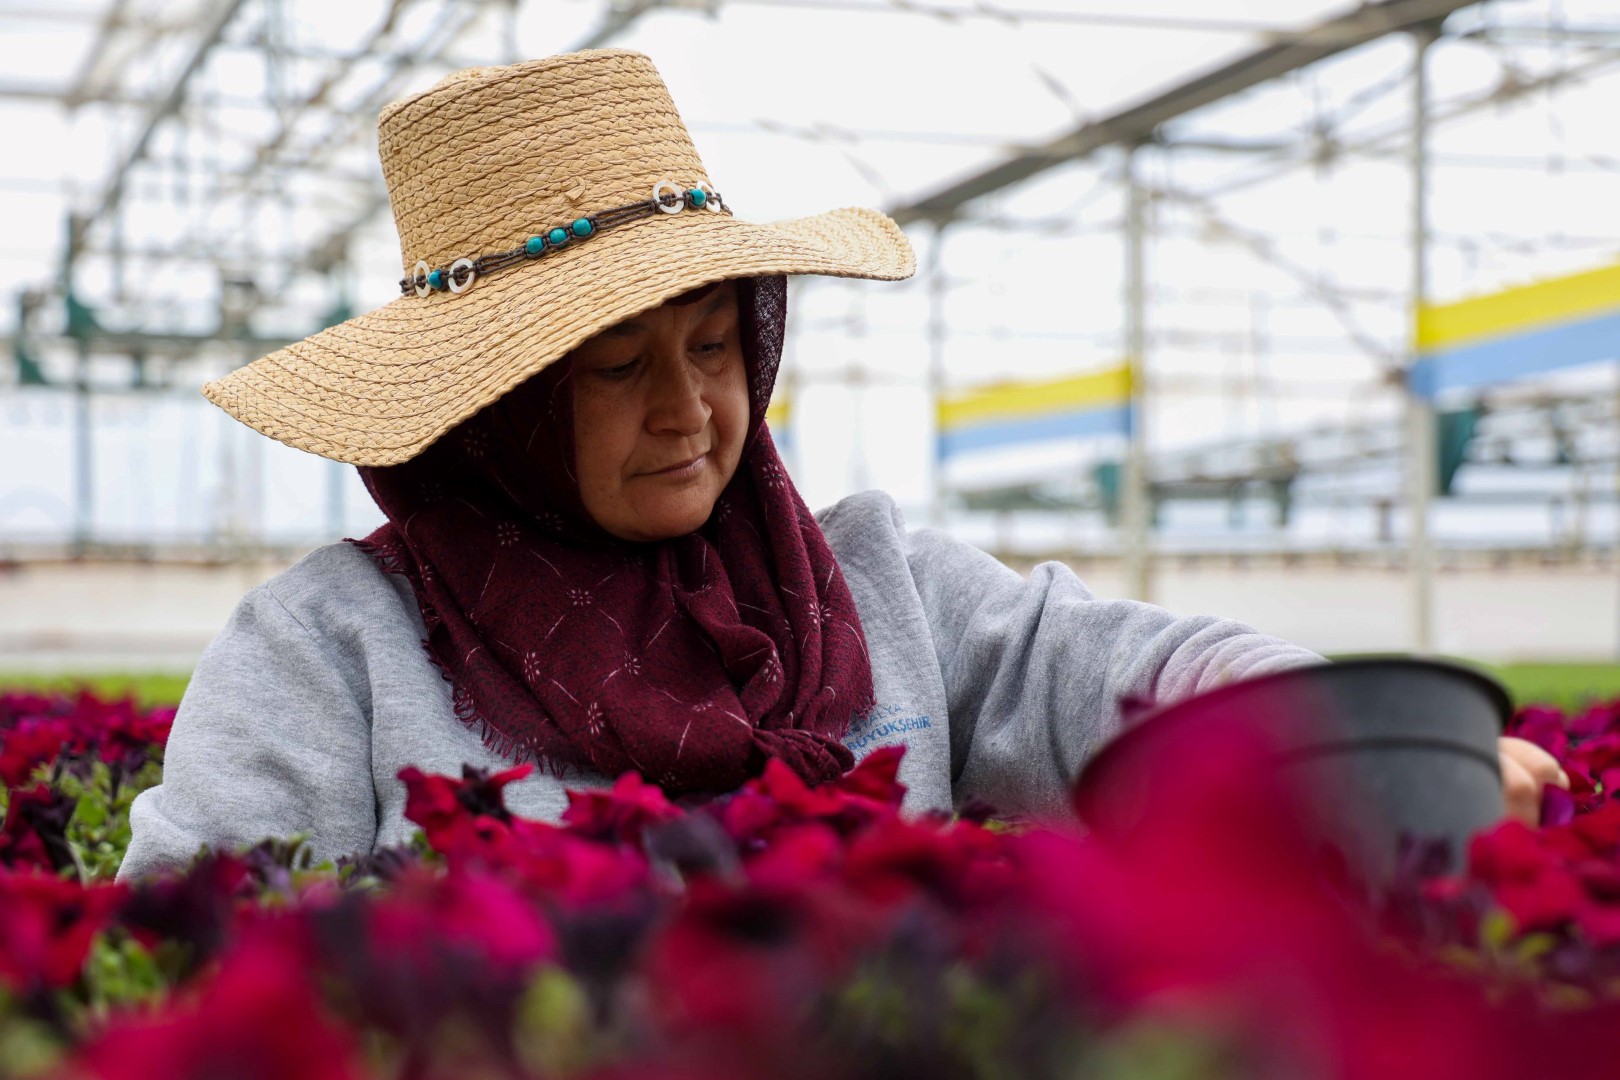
point(1036, 669)
point(269, 740)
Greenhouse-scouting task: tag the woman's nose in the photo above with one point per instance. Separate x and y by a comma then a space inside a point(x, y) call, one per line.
point(675, 399)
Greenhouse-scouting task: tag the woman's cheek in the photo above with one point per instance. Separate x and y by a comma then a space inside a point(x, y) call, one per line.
point(597, 439)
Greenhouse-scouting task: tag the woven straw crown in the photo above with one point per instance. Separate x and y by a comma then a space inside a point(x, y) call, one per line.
point(484, 159)
point(492, 154)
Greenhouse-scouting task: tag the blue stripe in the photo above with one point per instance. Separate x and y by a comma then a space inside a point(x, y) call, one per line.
point(1108, 420)
point(1583, 341)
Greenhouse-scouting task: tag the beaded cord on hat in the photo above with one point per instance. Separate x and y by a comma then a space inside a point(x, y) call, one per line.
point(667, 198)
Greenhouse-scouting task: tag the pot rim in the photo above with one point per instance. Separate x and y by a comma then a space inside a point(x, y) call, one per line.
point(1495, 692)
point(1501, 701)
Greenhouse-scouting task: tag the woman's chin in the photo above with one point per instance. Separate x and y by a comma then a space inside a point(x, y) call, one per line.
point(672, 516)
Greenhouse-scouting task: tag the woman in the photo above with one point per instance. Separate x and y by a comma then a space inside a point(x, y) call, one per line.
point(590, 531)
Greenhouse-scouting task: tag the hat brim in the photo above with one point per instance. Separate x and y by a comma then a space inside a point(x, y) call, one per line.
point(381, 387)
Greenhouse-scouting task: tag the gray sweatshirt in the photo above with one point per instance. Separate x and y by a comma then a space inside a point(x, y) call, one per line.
point(302, 711)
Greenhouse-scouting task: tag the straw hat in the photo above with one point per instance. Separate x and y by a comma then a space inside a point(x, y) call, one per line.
point(528, 221)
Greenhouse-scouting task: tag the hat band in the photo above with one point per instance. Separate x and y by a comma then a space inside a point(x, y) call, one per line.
point(667, 198)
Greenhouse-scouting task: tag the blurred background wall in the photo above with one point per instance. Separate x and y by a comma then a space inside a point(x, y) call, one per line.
point(1296, 311)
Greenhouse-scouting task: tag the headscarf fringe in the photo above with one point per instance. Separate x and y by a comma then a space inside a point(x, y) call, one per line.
point(386, 556)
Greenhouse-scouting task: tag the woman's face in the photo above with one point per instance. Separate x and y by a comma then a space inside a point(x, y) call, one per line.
point(660, 415)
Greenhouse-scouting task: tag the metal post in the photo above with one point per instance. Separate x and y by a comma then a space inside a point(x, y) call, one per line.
point(1420, 425)
point(511, 50)
point(336, 474)
point(936, 365)
point(227, 522)
point(858, 327)
point(252, 506)
point(84, 489)
point(1136, 510)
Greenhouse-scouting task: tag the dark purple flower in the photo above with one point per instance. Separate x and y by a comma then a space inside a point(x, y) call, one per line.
point(199, 908)
point(34, 833)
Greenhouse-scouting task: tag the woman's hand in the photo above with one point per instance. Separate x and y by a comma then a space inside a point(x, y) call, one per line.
point(1526, 767)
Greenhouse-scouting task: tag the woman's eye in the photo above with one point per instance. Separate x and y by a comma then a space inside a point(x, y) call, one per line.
point(712, 347)
point(620, 371)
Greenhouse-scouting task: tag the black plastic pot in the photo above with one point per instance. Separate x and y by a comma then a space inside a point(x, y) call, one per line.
point(1376, 747)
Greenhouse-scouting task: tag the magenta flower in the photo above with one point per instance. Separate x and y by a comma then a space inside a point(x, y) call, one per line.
point(464, 913)
point(1543, 725)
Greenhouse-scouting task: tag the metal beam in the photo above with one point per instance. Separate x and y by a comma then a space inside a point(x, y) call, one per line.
point(1391, 140)
point(980, 11)
point(288, 120)
point(213, 29)
point(258, 180)
point(1138, 123)
point(92, 58)
point(1314, 285)
point(616, 22)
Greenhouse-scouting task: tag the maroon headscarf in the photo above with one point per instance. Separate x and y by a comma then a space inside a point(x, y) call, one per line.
point(690, 660)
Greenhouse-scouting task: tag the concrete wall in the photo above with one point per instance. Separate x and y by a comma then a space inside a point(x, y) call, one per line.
point(134, 617)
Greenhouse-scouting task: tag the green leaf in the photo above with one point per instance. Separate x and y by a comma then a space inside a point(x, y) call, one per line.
point(1532, 947)
point(1497, 929)
point(554, 1031)
point(1155, 1049)
point(120, 971)
point(27, 1047)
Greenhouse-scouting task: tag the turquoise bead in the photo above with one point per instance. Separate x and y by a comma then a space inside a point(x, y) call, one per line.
point(698, 197)
point(536, 245)
point(583, 227)
point(558, 237)
point(436, 279)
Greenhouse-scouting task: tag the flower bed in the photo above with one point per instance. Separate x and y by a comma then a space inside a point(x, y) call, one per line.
point(783, 931)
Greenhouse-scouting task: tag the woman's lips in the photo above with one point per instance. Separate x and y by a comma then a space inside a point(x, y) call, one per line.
point(682, 470)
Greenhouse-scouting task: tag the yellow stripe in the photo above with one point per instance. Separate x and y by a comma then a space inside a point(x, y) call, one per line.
point(779, 412)
point(1012, 401)
point(1529, 307)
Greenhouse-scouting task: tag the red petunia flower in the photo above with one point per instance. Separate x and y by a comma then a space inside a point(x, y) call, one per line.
point(778, 797)
point(1531, 880)
point(621, 813)
point(47, 925)
point(745, 962)
point(459, 815)
point(33, 742)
